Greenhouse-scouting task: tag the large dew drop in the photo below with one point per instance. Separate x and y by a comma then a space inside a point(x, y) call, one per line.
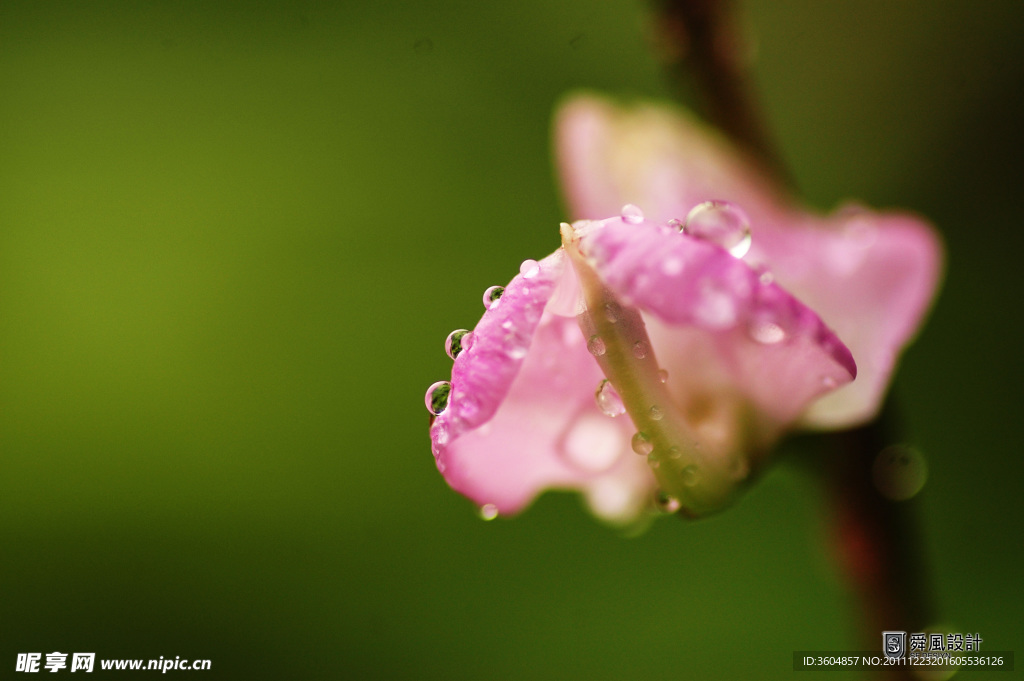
point(529, 269)
point(492, 295)
point(437, 397)
point(596, 346)
point(722, 223)
point(608, 400)
point(641, 445)
point(632, 214)
point(457, 341)
point(488, 512)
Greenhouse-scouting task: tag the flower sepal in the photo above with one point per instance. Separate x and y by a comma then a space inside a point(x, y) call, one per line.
point(694, 478)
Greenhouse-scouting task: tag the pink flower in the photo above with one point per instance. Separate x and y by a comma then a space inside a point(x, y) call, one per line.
point(641, 363)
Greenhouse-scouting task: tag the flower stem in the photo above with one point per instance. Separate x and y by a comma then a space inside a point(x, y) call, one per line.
point(700, 480)
point(702, 42)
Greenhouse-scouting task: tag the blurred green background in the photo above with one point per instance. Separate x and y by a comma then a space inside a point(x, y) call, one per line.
point(233, 239)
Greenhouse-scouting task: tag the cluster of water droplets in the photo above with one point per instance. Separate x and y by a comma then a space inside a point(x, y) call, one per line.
point(460, 340)
point(439, 394)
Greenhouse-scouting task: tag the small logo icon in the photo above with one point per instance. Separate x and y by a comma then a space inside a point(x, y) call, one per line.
point(894, 643)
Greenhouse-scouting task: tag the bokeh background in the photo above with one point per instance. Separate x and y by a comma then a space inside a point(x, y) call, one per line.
point(233, 239)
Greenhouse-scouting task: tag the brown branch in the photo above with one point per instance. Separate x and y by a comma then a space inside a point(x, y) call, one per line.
point(879, 543)
point(700, 42)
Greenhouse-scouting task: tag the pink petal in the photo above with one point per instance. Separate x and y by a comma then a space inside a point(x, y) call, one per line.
point(656, 157)
point(522, 416)
point(871, 277)
point(723, 334)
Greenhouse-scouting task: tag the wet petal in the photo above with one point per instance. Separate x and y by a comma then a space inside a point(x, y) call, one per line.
point(740, 352)
point(523, 417)
point(873, 279)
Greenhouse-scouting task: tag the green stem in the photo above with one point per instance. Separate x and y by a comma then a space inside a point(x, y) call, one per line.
point(694, 475)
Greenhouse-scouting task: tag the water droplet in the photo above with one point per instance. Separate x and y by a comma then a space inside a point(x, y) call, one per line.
point(663, 376)
point(720, 222)
point(640, 349)
point(767, 327)
point(689, 475)
point(593, 443)
point(656, 413)
point(829, 382)
point(675, 453)
point(608, 400)
point(631, 214)
point(666, 503)
point(488, 512)
point(437, 397)
point(529, 269)
point(653, 461)
point(766, 277)
point(596, 346)
point(676, 224)
point(899, 472)
point(641, 445)
point(612, 312)
point(457, 341)
point(492, 295)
